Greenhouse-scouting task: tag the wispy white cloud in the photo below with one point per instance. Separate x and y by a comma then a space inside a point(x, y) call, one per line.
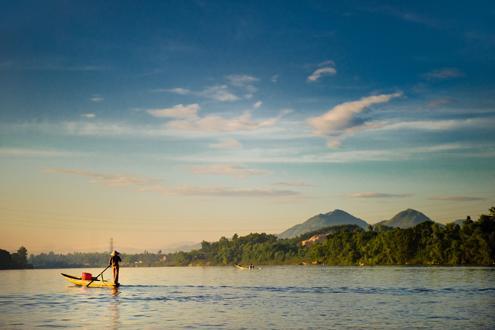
point(302, 156)
point(377, 195)
point(177, 90)
point(438, 102)
point(178, 111)
point(244, 83)
point(96, 98)
point(257, 104)
point(88, 115)
point(219, 93)
point(217, 123)
point(111, 180)
point(452, 198)
point(274, 78)
point(230, 143)
point(241, 80)
point(320, 72)
point(433, 125)
point(253, 128)
point(233, 192)
point(443, 74)
point(228, 170)
point(296, 157)
point(293, 184)
point(30, 152)
point(238, 86)
point(210, 126)
point(340, 120)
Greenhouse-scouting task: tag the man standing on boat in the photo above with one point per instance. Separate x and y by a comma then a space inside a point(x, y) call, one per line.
point(114, 262)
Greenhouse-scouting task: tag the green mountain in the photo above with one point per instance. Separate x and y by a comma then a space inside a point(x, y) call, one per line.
point(405, 219)
point(333, 218)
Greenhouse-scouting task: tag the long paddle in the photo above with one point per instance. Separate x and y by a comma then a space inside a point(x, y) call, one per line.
point(94, 278)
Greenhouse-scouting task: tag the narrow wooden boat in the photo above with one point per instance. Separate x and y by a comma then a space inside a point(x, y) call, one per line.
point(240, 267)
point(95, 284)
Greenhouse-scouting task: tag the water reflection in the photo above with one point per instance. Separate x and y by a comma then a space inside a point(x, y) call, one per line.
point(115, 309)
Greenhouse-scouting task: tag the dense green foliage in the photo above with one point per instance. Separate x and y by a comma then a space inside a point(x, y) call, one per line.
point(429, 243)
point(17, 260)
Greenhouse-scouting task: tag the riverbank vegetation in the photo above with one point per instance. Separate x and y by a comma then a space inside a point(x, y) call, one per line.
point(16, 260)
point(429, 243)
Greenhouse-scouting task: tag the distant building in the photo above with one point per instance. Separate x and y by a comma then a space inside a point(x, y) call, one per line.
point(314, 239)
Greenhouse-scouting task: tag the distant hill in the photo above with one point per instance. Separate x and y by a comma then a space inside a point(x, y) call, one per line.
point(333, 218)
point(405, 219)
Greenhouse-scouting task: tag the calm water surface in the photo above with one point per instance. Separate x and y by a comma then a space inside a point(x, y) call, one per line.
point(272, 297)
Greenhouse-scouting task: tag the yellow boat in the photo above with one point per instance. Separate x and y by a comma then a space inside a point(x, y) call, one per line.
point(95, 284)
point(240, 267)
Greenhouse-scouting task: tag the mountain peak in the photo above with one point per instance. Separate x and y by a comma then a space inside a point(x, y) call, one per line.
point(406, 219)
point(410, 211)
point(333, 218)
point(337, 211)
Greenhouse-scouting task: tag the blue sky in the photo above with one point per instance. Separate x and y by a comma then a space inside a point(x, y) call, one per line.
point(169, 122)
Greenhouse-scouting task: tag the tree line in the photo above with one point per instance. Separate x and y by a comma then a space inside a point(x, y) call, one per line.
point(96, 259)
point(16, 260)
point(429, 243)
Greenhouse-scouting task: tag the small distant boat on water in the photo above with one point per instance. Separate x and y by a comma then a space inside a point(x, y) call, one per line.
point(240, 267)
point(93, 282)
point(250, 267)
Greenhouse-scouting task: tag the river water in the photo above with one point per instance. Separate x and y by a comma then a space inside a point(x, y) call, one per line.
point(280, 297)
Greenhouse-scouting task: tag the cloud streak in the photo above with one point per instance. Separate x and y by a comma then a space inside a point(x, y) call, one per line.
point(151, 185)
point(217, 123)
point(238, 86)
point(341, 119)
point(178, 111)
point(443, 74)
point(377, 195)
point(219, 93)
point(320, 72)
point(296, 156)
point(96, 98)
point(236, 171)
point(29, 152)
point(110, 180)
point(452, 198)
point(227, 144)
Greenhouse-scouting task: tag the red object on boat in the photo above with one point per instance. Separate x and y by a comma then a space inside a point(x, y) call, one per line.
point(86, 276)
